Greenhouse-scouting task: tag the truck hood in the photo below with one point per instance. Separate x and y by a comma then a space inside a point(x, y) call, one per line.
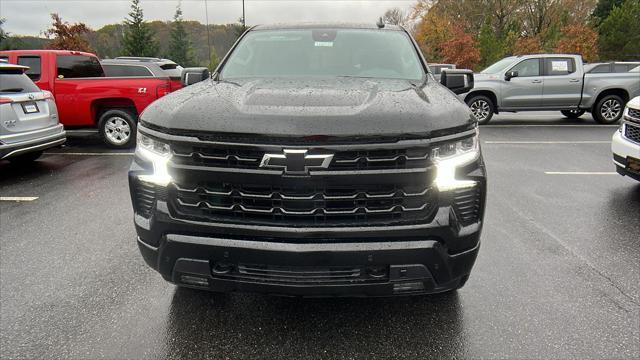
point(304, 107)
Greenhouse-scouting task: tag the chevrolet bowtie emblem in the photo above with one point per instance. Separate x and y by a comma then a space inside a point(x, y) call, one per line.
point(296, 161)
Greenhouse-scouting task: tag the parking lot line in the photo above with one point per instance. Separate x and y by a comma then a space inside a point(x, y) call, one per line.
point(91, 153)
point(548, 142)
point(548, 125)
point(18, 198)
point(580, 173)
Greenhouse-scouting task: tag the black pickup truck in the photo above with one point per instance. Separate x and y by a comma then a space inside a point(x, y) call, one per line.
point(317, 160)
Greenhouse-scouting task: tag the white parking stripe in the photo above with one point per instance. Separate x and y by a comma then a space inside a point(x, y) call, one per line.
point(580, 173)
point(548, 142)
point(90, 153)
point(18, 198)
point(548, 125)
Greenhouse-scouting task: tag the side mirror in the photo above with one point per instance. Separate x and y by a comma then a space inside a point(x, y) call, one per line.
point(457, 80)
point(511, 74)
point(191, 76)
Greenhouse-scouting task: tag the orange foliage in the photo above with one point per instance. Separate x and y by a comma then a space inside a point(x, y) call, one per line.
point(431, 33)
point(579, 39)
point(528, 45)
point(461, 50)
point(68, 36)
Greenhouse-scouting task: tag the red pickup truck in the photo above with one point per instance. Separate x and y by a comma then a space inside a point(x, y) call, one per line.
point(85, 97)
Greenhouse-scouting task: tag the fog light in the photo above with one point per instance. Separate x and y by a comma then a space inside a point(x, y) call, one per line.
point(408, 287)
point(194, 280)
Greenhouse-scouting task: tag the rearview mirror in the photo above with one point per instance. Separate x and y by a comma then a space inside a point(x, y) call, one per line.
point(194, 75)
point(457, 80)
point(511, 74)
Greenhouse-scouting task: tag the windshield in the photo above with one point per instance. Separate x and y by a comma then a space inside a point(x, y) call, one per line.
point(325, 52)
point(498, 66)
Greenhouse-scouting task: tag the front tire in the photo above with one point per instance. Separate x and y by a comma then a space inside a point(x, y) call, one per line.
point(608, 110)
point(482, 108)
point(118, 128)
point(25, 158)
point(572, 114)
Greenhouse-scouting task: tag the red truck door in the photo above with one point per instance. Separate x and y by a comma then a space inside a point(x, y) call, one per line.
point(71, 72)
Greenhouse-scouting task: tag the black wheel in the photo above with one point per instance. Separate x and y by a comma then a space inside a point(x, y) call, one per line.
point(572, 114)
point(608, 110)
point(25, 158)
point(118, 128)
point(482, 108)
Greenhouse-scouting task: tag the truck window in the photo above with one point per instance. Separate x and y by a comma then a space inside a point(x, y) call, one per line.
point(78, 66)
point(600, 69)
point(5, 58)
point(621, 68)
point(559, 66)
point(526, 68)
point(34, 64)
point(126, 71)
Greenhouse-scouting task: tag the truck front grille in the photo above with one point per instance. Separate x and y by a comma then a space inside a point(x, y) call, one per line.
point(250, 158)
point(632, 132)
point(321, 205)
point(302, 275)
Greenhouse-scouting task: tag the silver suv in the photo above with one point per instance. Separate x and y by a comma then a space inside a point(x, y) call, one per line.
point(28, 117)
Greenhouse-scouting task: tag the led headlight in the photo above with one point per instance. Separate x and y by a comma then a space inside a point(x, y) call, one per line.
point(449, 156)
point(159, 154)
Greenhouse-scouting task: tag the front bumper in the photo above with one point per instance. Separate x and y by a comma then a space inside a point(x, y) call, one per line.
point(310, 269)
point(42, 140)
point(625, 150)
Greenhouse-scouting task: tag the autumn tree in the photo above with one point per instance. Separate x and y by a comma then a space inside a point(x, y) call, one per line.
point(395, 16)
point(579, 39)
point(431, 33)
point(67, 36)
point(528, 45)
point(620, 32)
point(180, 49)
point(461, 50)
point(138, 37)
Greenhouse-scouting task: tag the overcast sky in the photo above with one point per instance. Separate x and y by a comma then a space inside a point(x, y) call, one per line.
point(31, 17)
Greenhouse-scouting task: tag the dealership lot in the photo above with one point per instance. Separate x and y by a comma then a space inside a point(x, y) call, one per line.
point(558, 273)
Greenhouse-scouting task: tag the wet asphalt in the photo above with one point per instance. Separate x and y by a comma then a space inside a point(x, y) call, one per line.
point(558, 275)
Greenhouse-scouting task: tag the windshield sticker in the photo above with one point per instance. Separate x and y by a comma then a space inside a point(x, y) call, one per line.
point(324, 43)
point(559, 66)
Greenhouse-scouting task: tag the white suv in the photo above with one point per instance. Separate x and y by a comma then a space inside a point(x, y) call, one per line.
point(626, 142)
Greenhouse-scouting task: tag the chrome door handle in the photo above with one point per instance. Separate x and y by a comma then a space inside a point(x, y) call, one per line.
point(536, 81)
point(574, 80)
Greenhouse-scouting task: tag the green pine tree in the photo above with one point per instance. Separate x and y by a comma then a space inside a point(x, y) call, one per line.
point(180, 49)
point(491, 48)
point(620, 32)
point(138, 37)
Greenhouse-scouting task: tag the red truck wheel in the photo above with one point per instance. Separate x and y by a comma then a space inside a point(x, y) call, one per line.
point(118, 128)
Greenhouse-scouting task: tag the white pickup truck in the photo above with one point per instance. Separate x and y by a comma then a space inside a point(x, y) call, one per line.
point(550, 82)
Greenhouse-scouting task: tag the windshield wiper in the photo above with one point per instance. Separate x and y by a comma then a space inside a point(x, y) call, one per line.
point(12, 90)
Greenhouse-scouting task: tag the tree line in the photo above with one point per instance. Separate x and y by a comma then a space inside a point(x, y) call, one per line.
point(187, 40)
point(476, 33)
